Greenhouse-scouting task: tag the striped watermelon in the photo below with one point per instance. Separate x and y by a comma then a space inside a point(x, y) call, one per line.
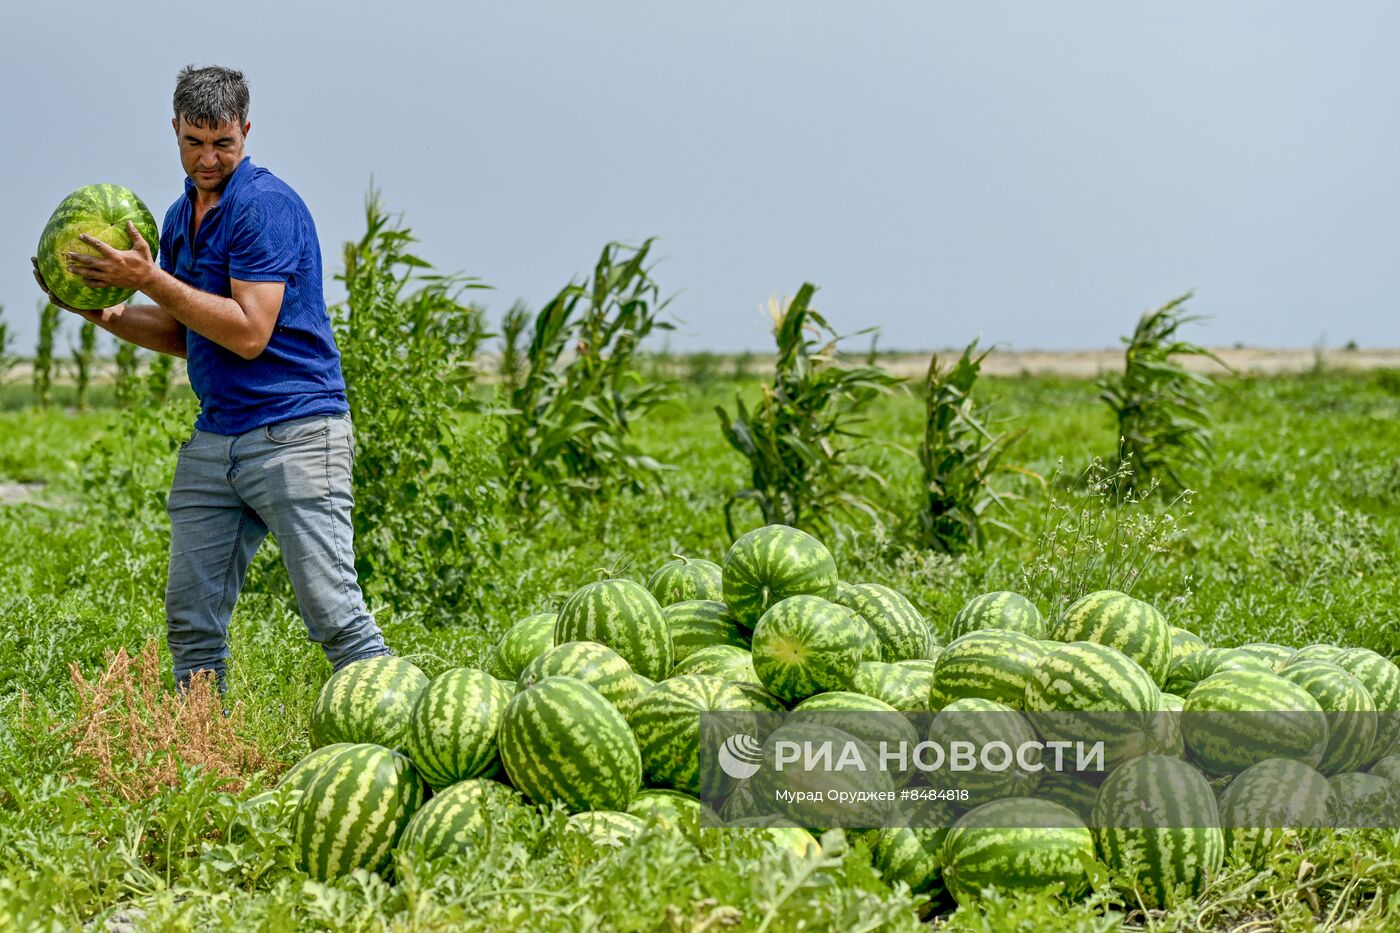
point(870, 648)
point(816, 790)
point(561, 740)
point(769, 564)
point(904, 688)
point(773, 832)
point(597, 665)
point(1116, 619)
point(1276, 656)
point(1003, 610)
point(686, 579)
point(984, 722)
point(724, 661)
point(992, 664)
point(805, 645)
point(1087, 692)
point(1235, 719)
point(1068, 790)
point(1199, 665)
point(666, 723)
point(700, 623)
point(1017, 845)
point(1166, 727)
point(1381, 678)
point(672, 808)
point(1267, 804)
point(1351, 713)
point(101, 211)
point(299, 775)
point(1362, 800)
point(1318, 653)
point(757, 696)
point(1155, 822)
point(353, 811)
point(625, 617)
point(458, 818)
point(452, 731)
point(1185, 642)
point(912, 855)
point(739, 805)
point(1388, 768)
point(367, 701)
point(903, 633)
point(871, 720)
point(609, 829)
point(524, 641)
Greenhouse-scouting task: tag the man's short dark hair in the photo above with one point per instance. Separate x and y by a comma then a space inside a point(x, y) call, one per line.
point(211, 96)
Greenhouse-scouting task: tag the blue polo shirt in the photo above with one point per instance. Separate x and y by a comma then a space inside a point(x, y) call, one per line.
point(260, 231)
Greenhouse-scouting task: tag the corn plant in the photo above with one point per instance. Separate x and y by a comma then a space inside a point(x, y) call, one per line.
point(125, 387)
point(8, 361)
point(796, 437)
point(409, 343)
point(84, 355)
point(1164, 423)
point(959, 456)
point(577, 391)
point(511, 367)
point(43, 352)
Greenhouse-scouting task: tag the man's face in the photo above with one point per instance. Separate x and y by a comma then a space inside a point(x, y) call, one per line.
point(209, 154)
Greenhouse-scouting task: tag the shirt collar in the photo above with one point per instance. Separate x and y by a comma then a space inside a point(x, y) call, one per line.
point(245, 168)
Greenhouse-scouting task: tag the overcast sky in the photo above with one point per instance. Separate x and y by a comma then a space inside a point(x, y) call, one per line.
point(1036, 173)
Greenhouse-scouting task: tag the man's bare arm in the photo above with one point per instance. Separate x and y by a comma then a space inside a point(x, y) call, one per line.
point(242, 323)
point(144, 325)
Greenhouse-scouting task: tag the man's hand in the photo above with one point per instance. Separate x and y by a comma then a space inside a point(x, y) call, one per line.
point(97, 317)
point(114, 268)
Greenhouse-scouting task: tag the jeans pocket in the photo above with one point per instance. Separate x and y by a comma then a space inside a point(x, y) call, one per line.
point(298, 429)
point(189, 440)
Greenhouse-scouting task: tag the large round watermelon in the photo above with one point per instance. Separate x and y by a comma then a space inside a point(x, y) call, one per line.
point(686, 578)
point(452, 732)
point(1004, 740)
point(904, 688)
point(769, 564)
point(700, 623)
point(370, 700)
point(459, 817)
point(993, 664)
point(1155, 822)
point(903, 633)
point(102, 212)
point(1235, 719)
point(724, 661)
point(1116, 619)
point(666, 722)
point(562, 740)
point(624, 616)
point(1195, 667)
point(1002, 609)
point(1267, 803)
point(1381, 678)
point(597, 665)
point(521, 644)
point(1351, 713)
point(1085, 692)
point(804, 645)
point(352, 813)
point(1017, 845)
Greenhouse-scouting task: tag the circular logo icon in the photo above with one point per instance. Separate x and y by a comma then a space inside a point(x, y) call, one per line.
point(740, 756)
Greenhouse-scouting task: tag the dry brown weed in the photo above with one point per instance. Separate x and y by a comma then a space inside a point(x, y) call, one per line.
point(131, 735)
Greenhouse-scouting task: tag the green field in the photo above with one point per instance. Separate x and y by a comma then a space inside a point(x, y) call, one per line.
point(1292, 536)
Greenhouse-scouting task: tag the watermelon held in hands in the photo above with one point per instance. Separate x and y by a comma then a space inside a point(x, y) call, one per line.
point(101, 211)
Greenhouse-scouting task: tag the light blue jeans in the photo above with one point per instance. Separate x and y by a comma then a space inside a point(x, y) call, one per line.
point(292, 479)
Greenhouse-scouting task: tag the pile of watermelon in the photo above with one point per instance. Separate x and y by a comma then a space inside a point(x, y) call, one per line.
point(596, 709)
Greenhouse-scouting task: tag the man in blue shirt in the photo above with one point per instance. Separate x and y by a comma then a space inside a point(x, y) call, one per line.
point(238, 294)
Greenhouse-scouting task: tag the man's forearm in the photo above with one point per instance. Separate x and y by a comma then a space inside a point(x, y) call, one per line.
point(146, 326)
point(220, 319)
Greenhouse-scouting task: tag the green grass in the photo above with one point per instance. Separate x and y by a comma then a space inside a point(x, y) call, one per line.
point(1292, 537)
